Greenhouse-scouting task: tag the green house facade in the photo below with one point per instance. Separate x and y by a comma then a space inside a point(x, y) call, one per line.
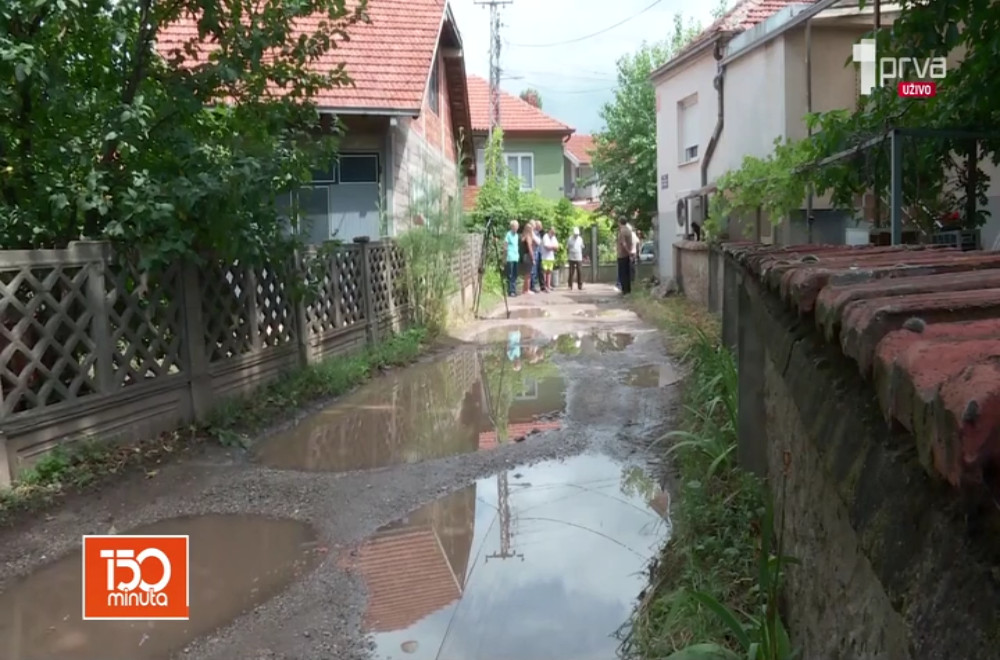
point(533, 141)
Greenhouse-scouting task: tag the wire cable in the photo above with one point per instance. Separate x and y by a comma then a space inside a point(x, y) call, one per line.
point(592, 35)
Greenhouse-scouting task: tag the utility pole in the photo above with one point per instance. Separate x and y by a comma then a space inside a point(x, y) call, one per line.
point(494, 6)
point(503, 508)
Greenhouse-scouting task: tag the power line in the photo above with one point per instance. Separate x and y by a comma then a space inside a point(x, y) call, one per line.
point(592, 35)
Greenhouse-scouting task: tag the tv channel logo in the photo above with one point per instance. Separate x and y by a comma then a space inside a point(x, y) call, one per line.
point(881, 71)
point(136, 577)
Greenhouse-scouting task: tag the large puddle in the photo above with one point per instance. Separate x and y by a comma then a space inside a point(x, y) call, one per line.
point(470, 400)
point(236, 563)
point(540, 562)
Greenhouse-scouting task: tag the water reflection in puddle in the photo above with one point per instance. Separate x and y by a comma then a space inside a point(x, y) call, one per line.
point(470, 400)
point(540, 562)
point(596, 342)
point(651, 375)
point(236, 562)
point(501, 334)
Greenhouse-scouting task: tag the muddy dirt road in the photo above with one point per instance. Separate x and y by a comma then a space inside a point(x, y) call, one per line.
point(490, 503)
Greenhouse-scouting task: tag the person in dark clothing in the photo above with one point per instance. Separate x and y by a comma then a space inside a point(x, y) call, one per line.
point(624, 243)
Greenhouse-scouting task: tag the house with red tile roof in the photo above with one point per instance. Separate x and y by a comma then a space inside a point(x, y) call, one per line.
point(407, 121)
point(533, 142)
point(734, 89)
point(581, 184)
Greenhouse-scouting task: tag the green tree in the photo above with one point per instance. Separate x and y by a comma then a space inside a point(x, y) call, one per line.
point(532, 97)
point(625, 151)
point(499, 197)
point(101, 136)
point(721, 7)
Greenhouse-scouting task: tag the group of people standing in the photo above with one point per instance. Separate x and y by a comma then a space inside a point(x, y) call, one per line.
point(532, 254)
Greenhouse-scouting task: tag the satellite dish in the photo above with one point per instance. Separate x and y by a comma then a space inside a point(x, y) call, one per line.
point(682, 213)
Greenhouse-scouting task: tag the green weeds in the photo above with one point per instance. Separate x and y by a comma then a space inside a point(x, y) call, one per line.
point(714, 590)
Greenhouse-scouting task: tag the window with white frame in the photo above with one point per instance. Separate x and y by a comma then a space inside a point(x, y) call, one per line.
point(521, 165)
point(687, 129)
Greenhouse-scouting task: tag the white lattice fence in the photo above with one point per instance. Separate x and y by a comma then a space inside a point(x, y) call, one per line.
point(92, 345)
point(322, 290)
point(274, 306)
point(347, 268)
point(48, 350)
point(226, 294)
point(145, 322)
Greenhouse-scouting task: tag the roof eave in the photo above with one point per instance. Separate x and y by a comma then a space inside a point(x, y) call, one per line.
point(532, 132)
point(572, 158)
point(689, 56)
point(377, 112)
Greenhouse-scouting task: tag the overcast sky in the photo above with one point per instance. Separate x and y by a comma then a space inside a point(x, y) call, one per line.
point(574, 79)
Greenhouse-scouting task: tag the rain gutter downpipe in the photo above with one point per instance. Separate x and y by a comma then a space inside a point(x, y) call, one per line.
point(720, 121)
point(809, 109)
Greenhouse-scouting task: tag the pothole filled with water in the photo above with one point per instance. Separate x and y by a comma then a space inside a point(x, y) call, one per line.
point(575, 343)
point(541, 561)
point(651, 375)
point(470, 400)
point(236, 562)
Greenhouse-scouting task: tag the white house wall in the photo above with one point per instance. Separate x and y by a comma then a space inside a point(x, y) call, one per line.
point(755, 115)
point(694, 78)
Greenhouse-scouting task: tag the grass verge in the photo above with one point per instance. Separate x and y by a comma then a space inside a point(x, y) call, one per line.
point(89, 462)
point(716, 514)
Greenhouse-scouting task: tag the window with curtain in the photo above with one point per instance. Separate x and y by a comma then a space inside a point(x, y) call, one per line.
point(523, 167)
point(687, 129)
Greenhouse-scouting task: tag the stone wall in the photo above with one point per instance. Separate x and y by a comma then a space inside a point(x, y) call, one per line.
point(692, 271)
point(894, 561)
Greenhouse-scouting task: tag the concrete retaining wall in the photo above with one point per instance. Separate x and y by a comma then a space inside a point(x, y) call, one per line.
point(691, 265)
point(895, 564)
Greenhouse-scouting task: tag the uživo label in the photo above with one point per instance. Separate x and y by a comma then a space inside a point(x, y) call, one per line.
point(136, 577)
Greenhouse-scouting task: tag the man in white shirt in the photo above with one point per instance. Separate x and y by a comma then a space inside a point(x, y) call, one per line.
point(574, 250)
point(634, 253)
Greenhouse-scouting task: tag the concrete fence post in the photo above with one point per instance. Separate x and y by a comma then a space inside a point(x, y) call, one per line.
point(195, 354)
point(301, 323)
point(367, 291)
point(100, 320)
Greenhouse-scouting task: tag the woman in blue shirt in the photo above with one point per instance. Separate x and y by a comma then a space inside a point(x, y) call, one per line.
point(513, 255)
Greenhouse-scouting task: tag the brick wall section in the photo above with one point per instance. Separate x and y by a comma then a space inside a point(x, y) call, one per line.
point(889, 522)
point(691, 262)
point(425, 156)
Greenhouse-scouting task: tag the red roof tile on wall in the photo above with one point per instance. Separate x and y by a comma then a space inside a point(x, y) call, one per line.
point(515, 115)
point(922, 323)
point(389, 58)
point(489, 440)
point(581, 147)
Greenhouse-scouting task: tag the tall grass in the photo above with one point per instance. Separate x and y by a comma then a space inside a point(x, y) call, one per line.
point(430, 249)
point(714, 589)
